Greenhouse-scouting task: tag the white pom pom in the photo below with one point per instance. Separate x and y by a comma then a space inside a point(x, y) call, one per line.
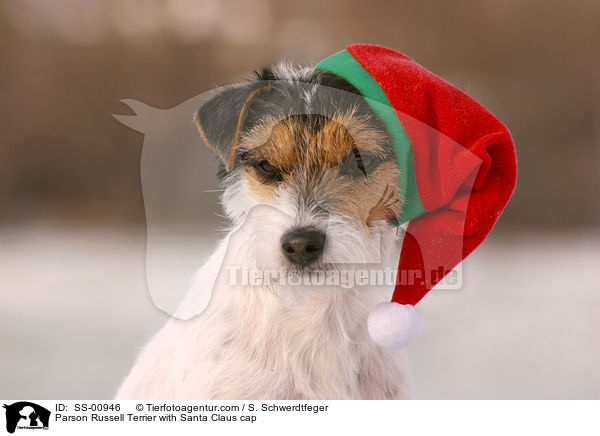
point(394, 325)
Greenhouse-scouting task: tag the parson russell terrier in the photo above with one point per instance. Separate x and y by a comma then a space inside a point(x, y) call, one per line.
point(311, 187)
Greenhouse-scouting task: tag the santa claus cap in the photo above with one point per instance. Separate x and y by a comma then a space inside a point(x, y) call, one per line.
point(458, 171)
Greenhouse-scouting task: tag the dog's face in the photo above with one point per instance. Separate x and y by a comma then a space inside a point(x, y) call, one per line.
point(308, 145)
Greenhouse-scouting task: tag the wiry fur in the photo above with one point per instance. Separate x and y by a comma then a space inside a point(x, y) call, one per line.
point(283, 341)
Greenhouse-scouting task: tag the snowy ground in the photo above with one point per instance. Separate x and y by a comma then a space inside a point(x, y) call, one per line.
point(74, 309)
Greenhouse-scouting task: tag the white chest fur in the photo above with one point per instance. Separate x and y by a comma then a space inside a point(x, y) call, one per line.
point(266, 342)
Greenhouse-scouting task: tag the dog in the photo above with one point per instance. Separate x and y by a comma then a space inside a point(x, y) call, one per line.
point(310, 185)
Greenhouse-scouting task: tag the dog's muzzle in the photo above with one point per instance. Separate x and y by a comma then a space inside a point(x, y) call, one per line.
point(303, 246)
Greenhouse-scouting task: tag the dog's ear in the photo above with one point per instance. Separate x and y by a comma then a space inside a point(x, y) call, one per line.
point(221, 119)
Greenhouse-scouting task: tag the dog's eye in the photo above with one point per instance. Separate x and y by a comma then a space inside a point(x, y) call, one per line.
point(266, 167)
point(268, 170)
point(359, 164)
point(364, 162)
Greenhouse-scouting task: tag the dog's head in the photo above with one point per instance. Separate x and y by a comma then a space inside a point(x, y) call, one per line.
point(307, 144)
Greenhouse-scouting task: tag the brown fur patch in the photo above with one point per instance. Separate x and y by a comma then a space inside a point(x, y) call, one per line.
point(309, 155)
point(293, 141)
point(375, 198)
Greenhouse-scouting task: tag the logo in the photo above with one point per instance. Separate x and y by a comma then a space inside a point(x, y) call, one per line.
point(26, 415)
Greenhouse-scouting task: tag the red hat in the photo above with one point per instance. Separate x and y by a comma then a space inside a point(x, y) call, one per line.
point(458, 167)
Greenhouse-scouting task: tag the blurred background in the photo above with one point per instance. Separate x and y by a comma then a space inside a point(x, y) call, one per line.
point(74, 306)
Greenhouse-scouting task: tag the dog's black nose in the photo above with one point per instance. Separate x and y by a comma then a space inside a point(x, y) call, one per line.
point(303, 246)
